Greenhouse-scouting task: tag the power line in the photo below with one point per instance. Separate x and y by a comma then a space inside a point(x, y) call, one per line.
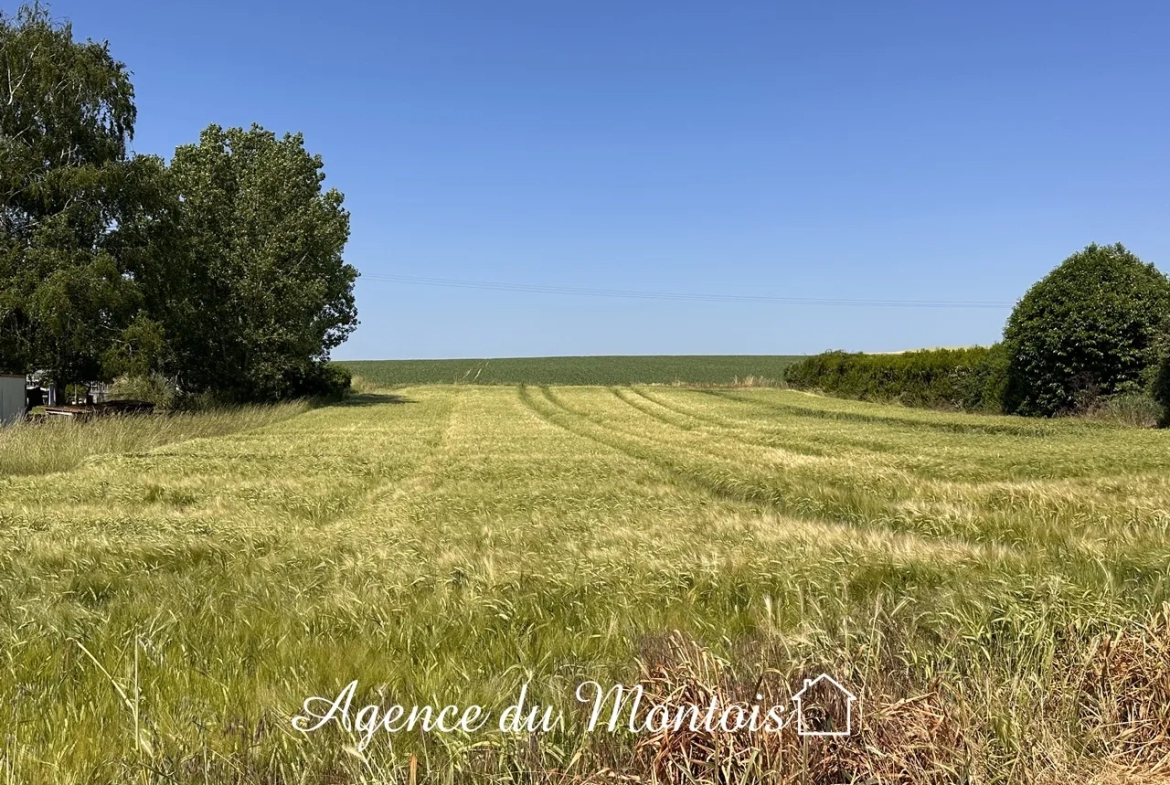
point(415, 280)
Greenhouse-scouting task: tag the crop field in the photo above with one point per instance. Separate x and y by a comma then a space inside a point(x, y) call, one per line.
point(663, 369)
point(992, 590)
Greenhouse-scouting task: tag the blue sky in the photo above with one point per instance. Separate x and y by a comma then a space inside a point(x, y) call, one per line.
point(898, 151)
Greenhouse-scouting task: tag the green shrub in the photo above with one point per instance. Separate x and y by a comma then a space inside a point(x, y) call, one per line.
point(318, 380)
point(971, 379)
point(1093, 327)
point(1161, 390)
point(154, 388)
point(324, 380)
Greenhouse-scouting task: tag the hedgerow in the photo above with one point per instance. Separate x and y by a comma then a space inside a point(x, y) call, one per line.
point(971, 379)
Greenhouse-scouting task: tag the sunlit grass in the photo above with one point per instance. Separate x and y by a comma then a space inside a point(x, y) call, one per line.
point(60, 444)
point(166, 604)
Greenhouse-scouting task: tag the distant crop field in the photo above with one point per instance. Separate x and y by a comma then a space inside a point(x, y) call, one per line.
point(991, 589)
point(650, 369)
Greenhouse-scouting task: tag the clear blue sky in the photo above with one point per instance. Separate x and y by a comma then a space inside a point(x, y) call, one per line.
point(908, 151)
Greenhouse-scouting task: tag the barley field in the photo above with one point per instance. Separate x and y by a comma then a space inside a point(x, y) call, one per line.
point(992, 589)
point(629, 369)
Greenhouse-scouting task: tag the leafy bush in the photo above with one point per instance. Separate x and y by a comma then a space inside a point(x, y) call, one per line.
point(155, 388)
point(314, 380)
point(1095, 326)
point(1161, 389)
point(324, 380)
point(971, 379)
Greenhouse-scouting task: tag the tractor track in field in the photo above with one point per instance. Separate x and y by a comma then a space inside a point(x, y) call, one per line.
point(722, 426)
point(726, 451)
point(730, 425)
point(944, 485)
point(381, 487)
point(667, 419)
point(684, 477)
point(722, 429)
point(988, 429)
point(729, 488)
point(720, 450)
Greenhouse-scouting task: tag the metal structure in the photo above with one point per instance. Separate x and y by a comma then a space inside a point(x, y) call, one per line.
point(12, 398)
point(87, 411)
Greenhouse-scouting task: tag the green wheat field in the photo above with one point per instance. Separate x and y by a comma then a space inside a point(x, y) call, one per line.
point(621, 369)
point(992, 589)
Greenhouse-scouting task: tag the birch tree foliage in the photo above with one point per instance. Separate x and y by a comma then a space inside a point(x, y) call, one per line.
point(67, 188)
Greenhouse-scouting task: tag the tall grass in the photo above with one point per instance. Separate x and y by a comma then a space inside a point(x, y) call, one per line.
point(991, 588)
point(60, 444)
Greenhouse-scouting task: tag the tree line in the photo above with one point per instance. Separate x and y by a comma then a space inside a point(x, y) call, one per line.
point(1093, 333)
point(220, 271)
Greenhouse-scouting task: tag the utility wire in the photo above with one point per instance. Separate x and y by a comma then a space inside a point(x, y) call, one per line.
point(415, 280)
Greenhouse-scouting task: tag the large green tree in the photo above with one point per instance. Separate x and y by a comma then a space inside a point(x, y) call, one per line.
point(1096, 325)
point(69, 201)
point(267, 294)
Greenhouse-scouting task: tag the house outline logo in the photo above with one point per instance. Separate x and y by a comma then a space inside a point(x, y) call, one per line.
point(798, 699)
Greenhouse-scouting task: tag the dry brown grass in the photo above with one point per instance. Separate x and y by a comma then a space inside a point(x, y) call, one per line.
point(908, 734)
point(1124, 697)
point(900, 738)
